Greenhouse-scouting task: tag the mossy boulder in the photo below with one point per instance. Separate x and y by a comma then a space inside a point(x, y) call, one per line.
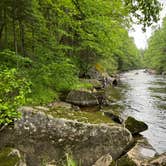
point(125, 161)
point(135, 126)
point(45, 138)
point(82, 98)
point(9, 157)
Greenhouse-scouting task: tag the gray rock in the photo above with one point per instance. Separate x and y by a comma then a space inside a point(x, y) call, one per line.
point(141, 152)
point(41, 137)
point(93, 73)
point(103, 77)
point(105, 160)
point(113, 117)
point(135, 126)
point(82, 98)
point(163, 73)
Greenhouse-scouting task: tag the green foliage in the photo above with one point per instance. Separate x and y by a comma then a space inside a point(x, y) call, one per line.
point(50, 42)
point(145, 12)
point(12, 94)
point(155, 55)
point(10, 59)
point(6, 159)
point(49, 80)
point(70, 161)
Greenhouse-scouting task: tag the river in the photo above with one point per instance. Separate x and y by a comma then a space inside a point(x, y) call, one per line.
point(144, 97)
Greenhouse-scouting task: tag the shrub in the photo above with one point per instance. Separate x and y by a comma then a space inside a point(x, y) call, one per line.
point(13, 89)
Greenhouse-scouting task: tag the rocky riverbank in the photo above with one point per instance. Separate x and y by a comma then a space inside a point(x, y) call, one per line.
point(44, 136)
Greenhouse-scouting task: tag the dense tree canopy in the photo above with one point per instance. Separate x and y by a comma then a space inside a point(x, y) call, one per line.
point(52, 42)
point(155, 55)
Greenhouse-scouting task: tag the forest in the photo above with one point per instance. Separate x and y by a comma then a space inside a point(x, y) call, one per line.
point(155, 54)
point(47, 45)
point(49, 49)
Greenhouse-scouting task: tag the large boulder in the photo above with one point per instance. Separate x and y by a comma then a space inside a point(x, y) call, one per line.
point(82, 98)
point(135, 126)
point(43, 138)
point(103, 77)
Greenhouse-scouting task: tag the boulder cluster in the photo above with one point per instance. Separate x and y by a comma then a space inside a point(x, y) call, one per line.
point(44, 136)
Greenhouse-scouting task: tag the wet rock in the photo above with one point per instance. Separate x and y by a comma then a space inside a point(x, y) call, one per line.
point(159, 160)
point(113, 116)
point(101, 97)
point(163, 73)
point(151, 71)
point(105, 160)
point(135, 126)
point(41, 137)
point(82, 98)
point(141, 153)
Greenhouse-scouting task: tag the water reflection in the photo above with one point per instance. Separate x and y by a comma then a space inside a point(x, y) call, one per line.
point(145, 99)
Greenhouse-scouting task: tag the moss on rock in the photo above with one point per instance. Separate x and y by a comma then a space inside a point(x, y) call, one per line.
point(125, 161)
point(81, 116)
point(135, 126)
point(8, 159)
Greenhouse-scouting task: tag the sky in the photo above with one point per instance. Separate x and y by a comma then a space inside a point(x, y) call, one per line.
point(141, 37)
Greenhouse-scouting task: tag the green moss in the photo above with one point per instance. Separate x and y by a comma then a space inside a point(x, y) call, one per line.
point(135, 126)
point(125, 161)
point(87, 117)
point(113, 93)
point(6, 159)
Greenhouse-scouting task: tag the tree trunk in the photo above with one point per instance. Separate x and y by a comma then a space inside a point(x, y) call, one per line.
point(1, 24)
point(14, 33)
point(33, 40)
point(5, 24)
point(22, 37)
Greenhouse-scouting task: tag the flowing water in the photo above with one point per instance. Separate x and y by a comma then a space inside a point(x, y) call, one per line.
point(145, 99)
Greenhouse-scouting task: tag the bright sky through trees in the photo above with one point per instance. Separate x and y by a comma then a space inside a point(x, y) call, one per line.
point(139, 36)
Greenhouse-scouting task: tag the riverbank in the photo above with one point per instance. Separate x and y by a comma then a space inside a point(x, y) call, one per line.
point(88, 129)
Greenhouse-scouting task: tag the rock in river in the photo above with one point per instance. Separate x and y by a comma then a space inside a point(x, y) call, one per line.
point(142, 154)
point(82, 98)
point(135, 126)
point(43, 138)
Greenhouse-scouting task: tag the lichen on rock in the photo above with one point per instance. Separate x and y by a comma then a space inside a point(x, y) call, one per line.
point(38, 134)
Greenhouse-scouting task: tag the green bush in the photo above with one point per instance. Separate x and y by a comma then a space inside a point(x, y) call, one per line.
point(12, 60)
point(50, 80)
point(13, 89)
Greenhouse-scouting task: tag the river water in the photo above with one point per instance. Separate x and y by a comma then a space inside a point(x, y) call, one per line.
point(144, 97)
